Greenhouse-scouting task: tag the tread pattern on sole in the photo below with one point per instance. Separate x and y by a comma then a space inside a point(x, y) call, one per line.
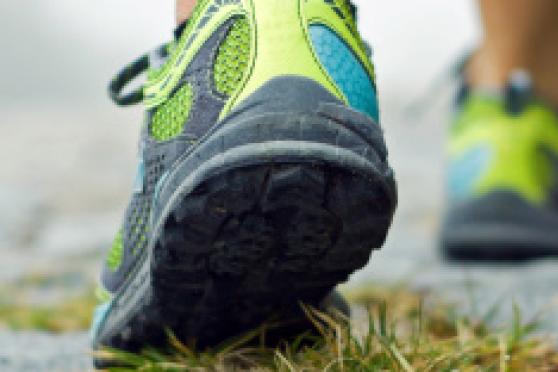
point(253, 242)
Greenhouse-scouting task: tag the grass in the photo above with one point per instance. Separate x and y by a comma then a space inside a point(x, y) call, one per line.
point(70, 315)
point(393, 330)
point(60, 302)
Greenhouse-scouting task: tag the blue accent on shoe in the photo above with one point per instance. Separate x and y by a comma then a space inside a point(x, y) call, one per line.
point(158, 187)
point(140, 176)
point(98, 316)
point(465, 171)
point(345, 69)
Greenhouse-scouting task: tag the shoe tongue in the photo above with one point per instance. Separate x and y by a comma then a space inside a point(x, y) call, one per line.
point(518, 92)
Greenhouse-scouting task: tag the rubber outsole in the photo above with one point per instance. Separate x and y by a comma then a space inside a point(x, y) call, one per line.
point(499, 227)
point(497, 243)
point(250, 244)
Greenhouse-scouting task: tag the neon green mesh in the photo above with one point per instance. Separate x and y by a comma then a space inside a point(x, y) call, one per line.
point(169, 119)
point(140, 227)
point(115, 254)
point(232, 58)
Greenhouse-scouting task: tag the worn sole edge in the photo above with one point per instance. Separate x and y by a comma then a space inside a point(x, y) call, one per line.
point(271, 152)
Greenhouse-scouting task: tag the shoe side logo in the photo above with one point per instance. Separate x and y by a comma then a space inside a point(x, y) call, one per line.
point(214, 14)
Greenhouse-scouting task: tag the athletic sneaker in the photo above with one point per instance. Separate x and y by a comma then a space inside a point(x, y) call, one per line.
point(503, 179)
point(262, 178)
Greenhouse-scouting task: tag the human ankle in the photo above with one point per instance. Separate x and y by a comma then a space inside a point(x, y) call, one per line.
point(184, 10)
point(488, 70)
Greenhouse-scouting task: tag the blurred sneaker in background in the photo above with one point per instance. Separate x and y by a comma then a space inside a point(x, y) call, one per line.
point(503, 176)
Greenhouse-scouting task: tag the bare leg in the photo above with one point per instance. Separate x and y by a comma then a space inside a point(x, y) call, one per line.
point(519, 34)
point(184, 10)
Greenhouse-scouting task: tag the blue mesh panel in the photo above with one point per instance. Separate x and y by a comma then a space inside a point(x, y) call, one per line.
point(345, 69)
point(465, 171)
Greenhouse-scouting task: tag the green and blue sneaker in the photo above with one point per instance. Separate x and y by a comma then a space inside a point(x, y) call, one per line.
point(503, 178)
point(263, 177)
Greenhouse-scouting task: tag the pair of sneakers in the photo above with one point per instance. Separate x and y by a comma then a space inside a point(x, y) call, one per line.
point(263, 178)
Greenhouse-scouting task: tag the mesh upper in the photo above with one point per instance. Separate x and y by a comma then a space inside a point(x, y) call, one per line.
point(229, 68)
point(133, 236)
point(169, 119)
point(115, 254)
point(138, 222)
point(232, 58)
point(345, 69)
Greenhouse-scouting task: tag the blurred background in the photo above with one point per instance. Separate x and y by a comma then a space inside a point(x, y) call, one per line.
point(67, 156)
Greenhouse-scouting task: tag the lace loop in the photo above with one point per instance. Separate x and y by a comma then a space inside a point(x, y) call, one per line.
point(151, 60)
point(123, 78)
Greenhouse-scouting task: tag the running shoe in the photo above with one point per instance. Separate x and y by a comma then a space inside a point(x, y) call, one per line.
point(262, 181)
point(503, 178)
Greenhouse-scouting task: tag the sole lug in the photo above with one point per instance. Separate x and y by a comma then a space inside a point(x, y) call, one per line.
point(249, 244)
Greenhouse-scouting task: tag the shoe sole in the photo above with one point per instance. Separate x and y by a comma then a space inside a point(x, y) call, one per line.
point(498, 243)
point(256, 228)
point(499, 227)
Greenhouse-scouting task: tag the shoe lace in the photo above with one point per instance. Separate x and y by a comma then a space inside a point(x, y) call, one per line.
point(129, 73)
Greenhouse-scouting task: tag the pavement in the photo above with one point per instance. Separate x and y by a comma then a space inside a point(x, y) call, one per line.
point(68, 160)
point(34, 352)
